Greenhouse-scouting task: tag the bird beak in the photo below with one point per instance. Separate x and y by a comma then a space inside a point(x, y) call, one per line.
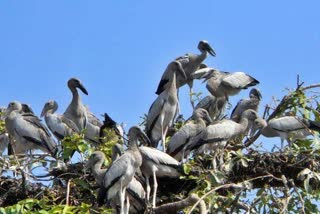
point(43, 111)
point(83, 89)
point(144, 138)
point(210, 50)
point(181, 70)
point(208, 119)
point(208, 75)
point(259, 95)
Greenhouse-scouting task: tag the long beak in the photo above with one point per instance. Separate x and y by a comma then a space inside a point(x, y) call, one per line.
point(259, 95)
point(145, 139)
point(43, 111)
point(83, 89)
point(210, 50)
point(208, 75)
point(208, 119)
point(181, 70)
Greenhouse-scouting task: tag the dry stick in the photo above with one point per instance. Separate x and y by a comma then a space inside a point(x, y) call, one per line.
point(301, 199)
point(227, 186)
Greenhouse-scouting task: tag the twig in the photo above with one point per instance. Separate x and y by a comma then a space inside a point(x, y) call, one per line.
point(68, 192)
point(300, 197)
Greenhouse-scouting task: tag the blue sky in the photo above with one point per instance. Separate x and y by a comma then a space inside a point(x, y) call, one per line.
point(119, 49)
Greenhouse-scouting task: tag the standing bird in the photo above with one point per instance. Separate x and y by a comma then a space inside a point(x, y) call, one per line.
point(190, 63)
point(121, 171)
point(157, 164)
point(76, 111)
point(224, 84)
point(214, 138)
point(289, 128)
point(164, 109)
point(59, 125)
point(216, 107)
point(27, 131)
point(177, 142)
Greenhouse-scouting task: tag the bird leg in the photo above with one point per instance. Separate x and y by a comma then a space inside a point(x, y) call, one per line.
point(122, 197)
point(127, 205)
point(163, 138)
point(155, 187)
point(148, 188)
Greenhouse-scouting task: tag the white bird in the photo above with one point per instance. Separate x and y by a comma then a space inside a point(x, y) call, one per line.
point(164, 109)
point(214, 138)
point(121, 171)
point(58, 124)
point(177, 142)
point(190, 63)
point(157, 164)
point(289, 128)
point(27, 131)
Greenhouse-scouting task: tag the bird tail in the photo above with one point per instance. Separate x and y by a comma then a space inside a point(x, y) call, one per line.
point(314, 125)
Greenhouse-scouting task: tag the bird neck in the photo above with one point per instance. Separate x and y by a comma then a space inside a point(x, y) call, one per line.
point(244, 122)
point(201, 57)
point(76, 99)
point(173, 82)
point(97, 172)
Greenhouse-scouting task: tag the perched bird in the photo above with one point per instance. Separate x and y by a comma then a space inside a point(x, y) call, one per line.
point(76, 111)
point(190, 63)
point(214, 138)
point(93, 127)
point(177, 142)
point(121, 171)
point(216, 107)
point(224, 84)
point(157, 164)
point(27, 131)
point(289, 128)
point(244, 104)
point(58, 124)
point(164, 109)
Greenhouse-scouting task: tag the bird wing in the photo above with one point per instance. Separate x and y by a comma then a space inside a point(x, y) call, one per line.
point(286, 124)
point(239, 80)
point(93, 119)
point(36, 122)
point(69, 123)
point(154, 112)
point(206, 102)
point(157, 156)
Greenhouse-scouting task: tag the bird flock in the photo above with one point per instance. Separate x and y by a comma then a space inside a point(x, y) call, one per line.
point(125, 183)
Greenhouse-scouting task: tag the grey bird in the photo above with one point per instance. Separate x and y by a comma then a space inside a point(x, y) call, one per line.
point(250, 103)
point(157, 164)
point(225, 84)
point(58, 124)
point(216, 107)
point(164, 109)
point(214, 138)
point(4, 142)
point(121, 171)
point(27, 131)
point(177, 142)
point(190, 63)
point(135, 189)
point(110, 124)
point(76, 111)
point(289, 128)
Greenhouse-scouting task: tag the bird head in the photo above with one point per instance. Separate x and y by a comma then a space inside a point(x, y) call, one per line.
point(94, 158)
point(135, 133)
point(203, 114)
point(50, 105)
point(255, 93)
point(176, 66)
point(204, 46)
point(13, 106)
point(260, 123)
point(249, 114)
point(76, 83)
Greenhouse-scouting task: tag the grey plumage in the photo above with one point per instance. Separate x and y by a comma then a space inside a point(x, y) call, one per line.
point(186, 132)
point(58, 124)
point(27, 131)
point(121, 171)
point(289, 128)
point(164, 109)
point(4, 142)
point(216, 107)
point(214, 137)
point(157, 164)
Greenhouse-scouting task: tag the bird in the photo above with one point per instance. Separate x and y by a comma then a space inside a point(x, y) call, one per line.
point(58, 124)
point(76, 111)
point(250, 103)
point(244, 104)
point(27, 131)
point(121, 171)
point(216, 107)
point(190, 63)
point(93, 127)
point(289, 128)
point(214, 138)
point(177, 142)
point(156, 163)
point(164, 109)
point(225, 84)
point(110, 124)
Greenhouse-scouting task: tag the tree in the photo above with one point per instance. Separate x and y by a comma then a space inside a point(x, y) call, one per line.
point(250, 180)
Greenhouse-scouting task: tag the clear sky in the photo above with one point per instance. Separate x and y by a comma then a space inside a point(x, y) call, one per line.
point(119, 49)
